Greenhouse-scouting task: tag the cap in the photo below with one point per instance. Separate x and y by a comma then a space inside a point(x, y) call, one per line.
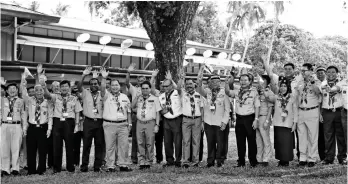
point(320, 68)
point(214, 77)
point(11, 84)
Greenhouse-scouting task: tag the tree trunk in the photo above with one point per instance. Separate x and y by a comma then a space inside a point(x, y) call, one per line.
point(272, 40)
point(167, 32)
point(231, 48)
point(228, 33)
point(246, 48)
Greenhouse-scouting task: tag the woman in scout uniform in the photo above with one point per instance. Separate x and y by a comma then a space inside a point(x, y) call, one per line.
point(343, 85)
point(264, 148)
point(284, 121)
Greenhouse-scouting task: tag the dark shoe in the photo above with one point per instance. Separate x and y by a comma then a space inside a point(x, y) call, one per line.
point(4, 173)
point(254, 164)
point(15, 173)
point(219, 165)
point(142, 167)
point(195, 165)
point(134, 162)
point(240, 165)
point(283, 164)
point(326, 162)
point(311, 164)
point(84, 169)
point(97, 170)
point(49, 167)
point(125, 169)
point(178, 165)
point(209, 165)
point(110, 170)
point(41, 173)
point(185, 166)
point(302, 163)
point(168, 165)
point(264, 164)
point(342, 162)
point(25, 168)
point(56, 171)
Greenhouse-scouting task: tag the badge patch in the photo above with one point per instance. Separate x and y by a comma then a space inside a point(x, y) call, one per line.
point(344, 92)
point(124, 100)
point(151, 101)
point(197, 96)
point(44, 113)
point(325, 94)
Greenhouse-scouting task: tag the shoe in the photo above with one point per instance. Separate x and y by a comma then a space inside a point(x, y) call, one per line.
point(167, 165)
point(209, 165)
point(84, 169)
point(110, 170)
point(125, 169)
point(283, 164)
point(302, 163)
point(185, 166)
point(25, 168)
point(40, 172)
point(135, 162)
point(264, 164)
point(49, 167)
point(15, 173)
point(326, 162)
point(97, 170)
point(219, 164)
point(254, 164)
point(4, 173)
point(178, 165)
point(311, 164)
point(142, 167)
point(239, 165)
point(342, 162)
point(195, 165)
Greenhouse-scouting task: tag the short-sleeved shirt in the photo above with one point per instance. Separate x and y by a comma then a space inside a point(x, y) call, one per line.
point(264, 103)
point(19, 113)
point(175, 104)
point(222, 108)
point(186, 103)
point(116, 109)
point(148, 107)
point(248, 103)
point(334, 102)
point(72, 103)
point(88, 104)
point(134, 91)
point(344, 90)
point(294, 81)
point(46, 112)
point(307, 98)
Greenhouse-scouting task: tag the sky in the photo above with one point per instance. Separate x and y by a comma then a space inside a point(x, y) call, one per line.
point(323, 17)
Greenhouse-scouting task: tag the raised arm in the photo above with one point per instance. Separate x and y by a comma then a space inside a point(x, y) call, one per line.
point(86, 72)
point(169, 77)
point(47, 94)
point(104, 74)
point(200, 88)
point(228, 83)
point(153, 82)
point(181, 81)
point(129, 70)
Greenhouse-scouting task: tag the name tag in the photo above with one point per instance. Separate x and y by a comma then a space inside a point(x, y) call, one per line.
point(62, 119)
point(197, 96)
point(65, 114)
point(151, 101)
point(95, 110)
point(124, 100)
point(212, 107)
point(35, 122)
point(9, 118)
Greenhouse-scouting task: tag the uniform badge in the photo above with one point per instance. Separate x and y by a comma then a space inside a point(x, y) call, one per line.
point(325, 94)
point(44, 113)
point(344, 92)
point(197, 96)
point(151, 101)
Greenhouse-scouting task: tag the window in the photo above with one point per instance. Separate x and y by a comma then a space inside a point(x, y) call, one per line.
point(95, 58)
point(27, 53)
point(40, 31)
point(26, 29)
point(53, 52)
point(68, 56)
point(40, 54)
point(81, 58)
point(54, 33)
point(126, 61)
point(69, 35)
point(116, 61)
point(103, 57)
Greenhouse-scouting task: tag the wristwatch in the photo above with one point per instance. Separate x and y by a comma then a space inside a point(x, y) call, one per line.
point(257, 119)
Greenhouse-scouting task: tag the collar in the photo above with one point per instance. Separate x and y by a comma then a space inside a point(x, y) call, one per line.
point(116, 94)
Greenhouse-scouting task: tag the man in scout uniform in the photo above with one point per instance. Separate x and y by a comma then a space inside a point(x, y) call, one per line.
point(216, 114)
point(192, 108)
point(172, 121)
point(321, 75)
point(12, 119)
point(93, 124)
point(38, 129)
point(117, 123)
point(66, 118)
point(147, 108)
point(308, 126)
point(343, 85)
point(331, 110)
point(247, 113)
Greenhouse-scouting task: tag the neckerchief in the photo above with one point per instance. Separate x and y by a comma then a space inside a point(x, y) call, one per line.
point(95, 97)
point(332, 94)
point(192, 101)
point(214, 93)
point(169, 102)
point(304, 94)
point(241, 94)
point(284, 100)
point(65, 102)
point(38, 110)
point(118, 104)
point(261, 91)
point(143, 108)
point(11, 103)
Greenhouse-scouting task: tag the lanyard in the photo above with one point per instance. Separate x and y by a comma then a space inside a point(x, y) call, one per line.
point(95, 97)
point(38, 110)
point(241, 94)
point(12, 102)
point(65, 101)
point(119, 108)
point(192, 102)
point(169, 102)
point(143, 108)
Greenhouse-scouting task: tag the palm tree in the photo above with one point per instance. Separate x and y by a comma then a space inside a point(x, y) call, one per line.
point(61, 9)
point(233, 7)
point(34, 5)
point(94, 6)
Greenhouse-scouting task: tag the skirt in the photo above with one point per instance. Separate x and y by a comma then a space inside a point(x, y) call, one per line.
point(283, 143)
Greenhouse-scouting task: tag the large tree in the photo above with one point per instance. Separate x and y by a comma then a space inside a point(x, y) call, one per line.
point(167, 24)
point(61, 9)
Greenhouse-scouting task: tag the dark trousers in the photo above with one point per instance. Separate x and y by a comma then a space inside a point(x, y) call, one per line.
point(321, 141)
point(215, 143)
point(63, 130)
point(244, 130)
point(134, 153)
point(77, 147)
point(159, 142)
point(226, 132)
point(297, 144)
point(50, 150)
point(36, 142)
point(173, 139)
point(333, 130)
point(201, 145)
point(93, 130)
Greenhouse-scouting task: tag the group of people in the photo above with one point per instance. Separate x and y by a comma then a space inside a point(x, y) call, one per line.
point(306, 110)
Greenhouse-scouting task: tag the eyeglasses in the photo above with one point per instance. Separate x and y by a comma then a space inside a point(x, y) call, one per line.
point(166, 86)
point(145, 88)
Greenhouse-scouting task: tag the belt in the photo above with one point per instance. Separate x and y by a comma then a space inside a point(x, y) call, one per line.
point(11, 122)
point(94, 119)
point(237, 115)
point(191, 117)
point(333, 109)
point(122, 121)
point(145, 122)
point(38, 125)
point(307, 109)
point(263, 115)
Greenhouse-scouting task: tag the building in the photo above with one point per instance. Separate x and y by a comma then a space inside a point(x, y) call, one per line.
point(53, 41)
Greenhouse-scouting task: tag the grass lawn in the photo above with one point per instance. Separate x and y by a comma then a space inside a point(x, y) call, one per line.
point(335, 173)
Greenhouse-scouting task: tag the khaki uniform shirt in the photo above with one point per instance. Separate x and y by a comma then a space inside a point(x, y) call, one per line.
point(222, 109)
point(250, 101)
point(186, 104)
point(312, 99)
point(46, 112)
point(88, 104)
point(336, 99)
point(73, 106)
point(264, 103)
point(19, 113)
point(116, 110)
point(175, 105)
point(147, 109)
point(344, 89)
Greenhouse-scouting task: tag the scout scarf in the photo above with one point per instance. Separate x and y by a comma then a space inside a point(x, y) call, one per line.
point(169, 102)
point(65, 102)
point(38, 110)
point(304, 94)
point(332, 94)
point(241, 94)
point(143, 108)
point(95, 97)
point(12, 102)
point(214, 93)
point(118, 104)
point(192, 102)
point(284, 100)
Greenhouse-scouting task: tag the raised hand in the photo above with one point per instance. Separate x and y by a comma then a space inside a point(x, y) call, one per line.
point(3, 81)
point(39, 69)
point(87, 71)
point(155, 72)
point(182, 73)
point(131, 67)
point(103, 72)
point(168, 75)
point(95, 74)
